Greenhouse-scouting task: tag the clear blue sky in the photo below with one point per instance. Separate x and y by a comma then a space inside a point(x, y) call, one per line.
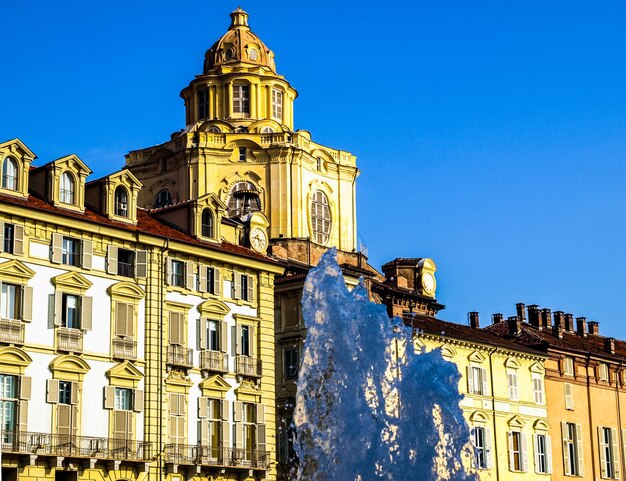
point(491, 135)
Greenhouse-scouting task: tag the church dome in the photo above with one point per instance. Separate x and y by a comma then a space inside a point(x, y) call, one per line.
point(239, 45)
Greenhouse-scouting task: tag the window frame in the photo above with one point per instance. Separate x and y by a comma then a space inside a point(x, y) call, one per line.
point(163, 198)
point(513, 387)
point(277, 103)
point(207, 223)
point(291, 368)
point(120, 206)
point(568, 366)
point(241, 99)
point(538, 389)
point(321, 217)
point(10, 180)
point(67, 188)
point(71, 251)
point(177, 279)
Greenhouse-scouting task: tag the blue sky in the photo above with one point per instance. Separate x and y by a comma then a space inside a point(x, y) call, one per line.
point(491, 135)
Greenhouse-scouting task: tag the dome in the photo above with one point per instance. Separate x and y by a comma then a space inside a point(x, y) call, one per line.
point(239, 45)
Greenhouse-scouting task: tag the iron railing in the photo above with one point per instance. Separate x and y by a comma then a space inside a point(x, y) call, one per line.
point(213, 361)
point(179, 356)
point(248, 366)
point(46, 444)
point(11, 331)
point(216, 456)
point(124, 348)
point(70, 340)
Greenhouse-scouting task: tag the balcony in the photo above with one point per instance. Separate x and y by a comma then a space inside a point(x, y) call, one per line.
point(69, 340)
point(59, 445)
point(11, 331)
point(179, 356)
point(213, 361)
point(124, 348)
point(248, 366)
point(178, 454)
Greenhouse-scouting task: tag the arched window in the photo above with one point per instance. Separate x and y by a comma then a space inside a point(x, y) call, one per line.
point(162, 199)
point(9, 174)
point(244, 198)
point(121, 202)
point(67, 189)
point(214, 129)
point(207, 223)
point(320, 217)
point(267, 130)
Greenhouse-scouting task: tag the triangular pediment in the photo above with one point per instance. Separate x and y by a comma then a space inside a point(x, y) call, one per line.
point(15, 270)
point(125, 370)
point(211, 200)
point(73, 163)
point(537, 368)
point(125, 177)
point(72, 280)
point(516, 422)
point(215, 383)
point(17, 147)
point(476, 357)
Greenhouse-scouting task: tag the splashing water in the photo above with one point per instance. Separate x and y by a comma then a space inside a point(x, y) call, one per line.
point(369, 405)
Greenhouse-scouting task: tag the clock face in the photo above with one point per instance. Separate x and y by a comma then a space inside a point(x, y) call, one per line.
point(258, 239)
point(428, 282)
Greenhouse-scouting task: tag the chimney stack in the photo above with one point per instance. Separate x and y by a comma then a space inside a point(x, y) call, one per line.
point(609, 344)
point(594, 328)
point(496, 318)
point(559, 324)
point(474, 320)
point(581, 326)
point(515, 326)
point(533, 316)
point(521, 311)
point(546, 318)
point(569, 322)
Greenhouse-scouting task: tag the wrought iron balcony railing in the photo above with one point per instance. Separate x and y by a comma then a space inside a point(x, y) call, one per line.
point(179, 356)
point(216, 456)
point(70, 340)
point(124, 348)
point(11, 331)
point(248, 366)
point(45, 444)
point(213, 361)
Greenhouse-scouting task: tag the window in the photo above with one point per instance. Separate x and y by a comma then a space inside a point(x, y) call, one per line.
point(213, 280)
point(70, 251)
point(568, 366)
point(178, 408)
point(121, 202)
point(543, 454)
point(203, 103)
point(320, 217)
point(572, 449)
point(9, 174)
point(244, 198)
point(243, 287)
point(126, 263)
point(11, 238)
point(245, 340)
point(8, 406)
point(286, 441)
point(603, 372)
point(9, 230)
point(10, 301)
point(277, 104)
point(477, 380)
point(319, 164)
point(67, 189)
point(538, 388)
point(214, 130)
point(214, 424)
point(241, 99)
point(71, 311)
point(511, 375)
point(609, 453)
point(213, 335)
point(162, 199)
point(248, 421)
point(482, 447)
point(123, 399)
point(177, 273)
point(207, 223)
point(517, 451)
point(267, 130)
point(65, 392)
point(569, 397)
point(292, 362)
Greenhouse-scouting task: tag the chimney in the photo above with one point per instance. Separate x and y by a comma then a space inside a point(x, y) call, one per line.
point(521, 311)
point(515, 326)
point(559, 324)
point(474, 320)
point(609, 344)
point(581, 326)
point(546, 318)
point(533, 316)
point(496, 318)
point(569, 323)
point(594, 328)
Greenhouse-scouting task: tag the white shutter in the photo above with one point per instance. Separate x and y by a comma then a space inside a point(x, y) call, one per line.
point(138, 400)
point(202, 334)
point(470, 380)
point(488, 456)
point(615, 451)
point(52, 393)
point(217, 282)
point(548, 454)
point(86, 308)
point(57, 248)
point(109, 397)
point(87, 254)
point(1, 236)
point(602, 451)
point(524, 452)
point(579, 450)
point(483, 378)
point(569, 399)
point(536, 452)
point(27, 303)
point(18, 240)
point(509, 436)
point(564, 435)
point(202, 278)
point(236, 285)
point(250, 294)
point(141, 263)
point(112, 260)
point(189, 268)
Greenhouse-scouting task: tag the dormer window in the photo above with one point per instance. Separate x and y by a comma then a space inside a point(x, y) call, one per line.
point(121, 202)
point(67, 188)
point(9, 174)
point(277, 104)
point(162, 199)
point(241, 99)
point(207, 223)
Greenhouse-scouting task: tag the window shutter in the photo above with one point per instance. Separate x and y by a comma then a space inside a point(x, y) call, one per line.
point(168, 271)
point(488, 456)
point(252, 331)
point(564, 435)
point(181, 429)
point(524, 452)
point(548, 454)
point(138, 400)
point(64, 419)
point(602, 452)
point(25, 387)
point(470, 380)
point(238, 435)
point(217, 281)
point(109, 397)
point(23, 422)
point(202, 327)
point(236, 285)
point(130, 320)
point(225, 434)
point(58, 308)
point(536, 452)
point(238, 411)
point(251, 289)
point(74, 393)
point(87, 254)
point(174, 328)
point(260, 432)
point(1, 236)
point(173, 429)
point(223, 336)
point(18, 240)
point(483, 378)
point(569, 399)
point(615, 451)
point(27, 303)
point(112, 260)
point(173, 404)
point(260, 413)
point(579, 450)
point(509, 436)
point(189, 274)
point(202, 407)
point(225, 411)
point(129, 425)
point(203, 434)
point(182, 405)
point(202, 281)
point(85, 313)
point(120, 422)
point(141, 264)
point(121, 323)
point(52, 396)
point(57, 248)
point(623, 444)
point(238, 346)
